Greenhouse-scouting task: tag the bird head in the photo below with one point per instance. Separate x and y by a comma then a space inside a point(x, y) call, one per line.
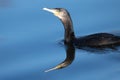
point(58, 12)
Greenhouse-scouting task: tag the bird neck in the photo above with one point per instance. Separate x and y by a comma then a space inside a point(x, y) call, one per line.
point(69, 32)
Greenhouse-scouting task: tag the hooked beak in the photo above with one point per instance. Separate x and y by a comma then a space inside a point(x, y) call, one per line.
point(49, 10)
point(55, 12)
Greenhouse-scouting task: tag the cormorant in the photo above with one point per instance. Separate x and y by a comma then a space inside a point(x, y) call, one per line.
point(95, 40)
point(98, 40)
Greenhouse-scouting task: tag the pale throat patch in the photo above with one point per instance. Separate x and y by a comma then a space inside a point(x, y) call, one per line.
point(58, 14)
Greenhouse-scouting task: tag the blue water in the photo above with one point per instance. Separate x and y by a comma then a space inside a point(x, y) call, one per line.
point(29, 40)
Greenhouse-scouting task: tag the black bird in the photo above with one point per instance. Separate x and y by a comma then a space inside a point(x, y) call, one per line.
point(94, 40)
point(98, 40)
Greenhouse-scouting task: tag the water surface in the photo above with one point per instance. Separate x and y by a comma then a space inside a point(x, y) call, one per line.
point(29, 40)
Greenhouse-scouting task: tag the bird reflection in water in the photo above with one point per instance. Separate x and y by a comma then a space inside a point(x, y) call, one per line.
point(70, 55)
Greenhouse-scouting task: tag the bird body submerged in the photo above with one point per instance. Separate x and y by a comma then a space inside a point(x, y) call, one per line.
point(97, 40)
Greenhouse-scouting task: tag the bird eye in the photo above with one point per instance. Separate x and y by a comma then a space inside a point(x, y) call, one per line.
point(58, 9)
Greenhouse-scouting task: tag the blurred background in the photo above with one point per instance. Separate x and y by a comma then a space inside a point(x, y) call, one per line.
point(29, 40)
